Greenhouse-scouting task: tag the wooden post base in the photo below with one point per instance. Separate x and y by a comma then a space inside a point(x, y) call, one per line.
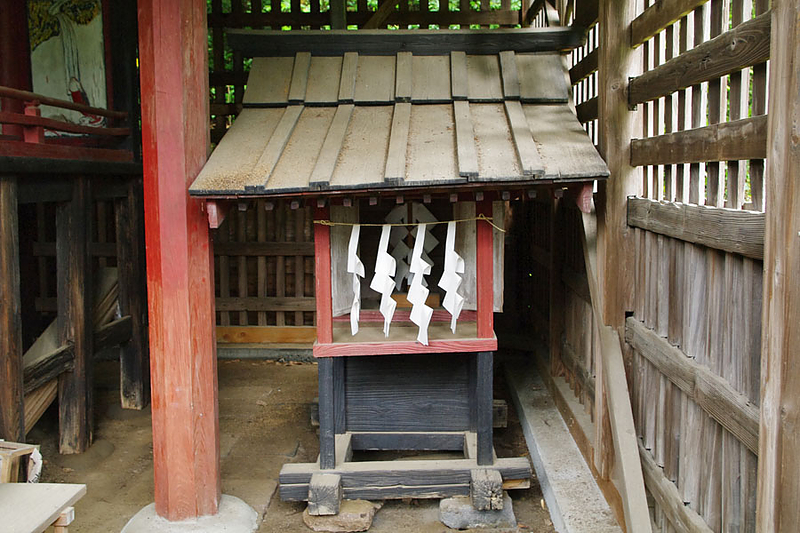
point(386, 480)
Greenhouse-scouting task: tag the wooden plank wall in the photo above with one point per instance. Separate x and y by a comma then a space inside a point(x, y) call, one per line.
point(695, 329)
point(228, 69)
point(582, 63)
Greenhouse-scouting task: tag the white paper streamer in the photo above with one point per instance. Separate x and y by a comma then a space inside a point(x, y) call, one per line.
point(417, 294)
point(355, 267)
point(450, 281)
point(382, 282)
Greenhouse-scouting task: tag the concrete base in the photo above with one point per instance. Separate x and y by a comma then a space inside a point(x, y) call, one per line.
point(234, 516)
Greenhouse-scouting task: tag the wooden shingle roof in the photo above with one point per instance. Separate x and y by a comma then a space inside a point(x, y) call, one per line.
point(357, 121)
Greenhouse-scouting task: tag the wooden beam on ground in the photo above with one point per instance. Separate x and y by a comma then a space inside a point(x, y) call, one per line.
point(744, 46)
point(49, 367)
point(730, 230)
point(728, 141)
point(658, 16)
point(779, 453)
point(711, 392)
point(614, 382)
point(135, 355)
point(12, 423)
point(180, 273)
point(74, 289)
point(280, 43)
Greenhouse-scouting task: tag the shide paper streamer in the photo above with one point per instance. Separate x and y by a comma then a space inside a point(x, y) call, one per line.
point(418, 294)
point(382, 282)
point(355, 267)
point(450, 280)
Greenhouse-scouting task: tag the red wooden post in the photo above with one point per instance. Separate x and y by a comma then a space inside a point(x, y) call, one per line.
point(485, 271)
point(322, 276)
point(180, 277)
point(33, 134)
point(15, 67)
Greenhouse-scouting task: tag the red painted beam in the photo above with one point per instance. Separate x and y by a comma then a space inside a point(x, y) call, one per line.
point(322, 276)
point(180, 277)
point(485, 270)
point(15, 66)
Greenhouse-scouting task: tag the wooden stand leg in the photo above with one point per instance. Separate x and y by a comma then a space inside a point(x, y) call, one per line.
point(135, 357)
point(12, 424)
point(64, 519)
point(486, 489)
point(339, 414)
point(483, 398)
point(74, 318)
point(324, 494)
point(327, 446)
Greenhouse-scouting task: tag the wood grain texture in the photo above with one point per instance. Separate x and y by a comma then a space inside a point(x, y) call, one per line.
point(746, 45)
point(74, 288)
point(269, 81)
point(343, 349)
point(459, 85)
point(395, 170)
point(710, 391)
point(324, 77)
point(272, 152)
point(299, 83)
point(527, 152)
point(658, 16)
point(778, 451)
point(465, 140)
point(347, 84)
point(322, 277)
point(12, 423)
point(302, 335)
point(431, 79)
point(731, 230)
point(375, 79)
point(584, 68)
point(331, 147)
point(403, 76)
point(510, 76)
point(735, 140)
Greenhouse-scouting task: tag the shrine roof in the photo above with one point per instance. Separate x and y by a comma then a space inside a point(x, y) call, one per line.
point(347, 120)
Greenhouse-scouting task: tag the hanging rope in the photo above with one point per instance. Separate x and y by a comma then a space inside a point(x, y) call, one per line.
point(479, 217)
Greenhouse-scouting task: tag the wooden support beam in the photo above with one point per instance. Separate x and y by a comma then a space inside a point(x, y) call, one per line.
point(338, 14)
point(730, 230)
point(484, 271)
point(12, 423)
point(615, 386)
point(135, 355)
point(744, 46)
point(588, 110)
point(728, 141)
point(322, 276)
point(173, 48)
point(327, 440)
point(48, 367)
point(74, 289)
point(378, 19)
point(779, 454)
point(483, 400)
point(584, 68)
point(324, 494)
point(217, 211)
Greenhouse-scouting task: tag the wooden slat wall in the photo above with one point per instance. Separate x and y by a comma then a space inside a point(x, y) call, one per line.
point(582, 64)
point(694, 298)
point(228, 70)
point(264, 264)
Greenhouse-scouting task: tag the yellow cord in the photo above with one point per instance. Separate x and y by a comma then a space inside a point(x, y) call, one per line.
point(479, 217)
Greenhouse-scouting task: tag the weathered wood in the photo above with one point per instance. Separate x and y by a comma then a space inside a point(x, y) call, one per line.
point(731, 230)
point(327, 443)
point(271, 303)
point(431, 79)
point(12, 423)
point(483, 398)
point(173, 47)
point(303, 335)
point(272, 152)
point(484, 263)
point(658, 16)
point(778, 489)
point(527, 152)
point(739, 139)
point(486, 489)
point(378, 19)
point(263, 43)
point(415, 473)
point(710, 391)
point(340, 407)
point(37, 402)
point(744, 46)
point(48, 367)
point(74, 318)
point(324, 494)
point(508, 70)
point(263, 249)
point(584, 68)
point(403, 77)
point(465, 140)
point(588, 111)
point(116, 332)
point(681, 516)
point(395, 170)
point(329, 153)
point(405, 440)
point(380, 347)
point(297, 89)
point(135, 355)
point(458, 75)
point(347, 83)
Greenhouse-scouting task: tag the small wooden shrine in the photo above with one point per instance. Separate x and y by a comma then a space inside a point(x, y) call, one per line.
point(409, 146)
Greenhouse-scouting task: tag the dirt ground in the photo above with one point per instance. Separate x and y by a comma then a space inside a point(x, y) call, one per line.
point(264, 423)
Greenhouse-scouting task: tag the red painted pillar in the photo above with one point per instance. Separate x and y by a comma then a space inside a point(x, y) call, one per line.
point(15, 60)
point(485, 270)
point(183, 368)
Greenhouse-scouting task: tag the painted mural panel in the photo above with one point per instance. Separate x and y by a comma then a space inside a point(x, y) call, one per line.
point(67, 55)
